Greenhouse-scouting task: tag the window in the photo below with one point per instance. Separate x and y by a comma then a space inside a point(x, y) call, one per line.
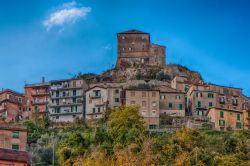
point(221, 114)
point(97, 93)
point(162, 97)
point(186, 88)
point(222, 99)
point(15, 147)
point(238, 116)
point(199, 104)
point(153, 94)
point(74, 92)
point(74, 83)
point(99, 109)
point(144, 104)
point(36, 108)
point(132, 94)
point(64, 94)
point(117, 91)
point(153, 103)
point(210, 104)
point(221, 122)
point(117, 100)
point(178, 97)
point(57, 117)
point(198, 94)
point(248, 115)
point(238, 125)
point(180, 107)
point(210, 95)
point(170, 105)
point(152, 126)
point(15, 134)
point(130, 49)
point(143, 94)
point(57, 93)
point(74, 100)
point(93, 110)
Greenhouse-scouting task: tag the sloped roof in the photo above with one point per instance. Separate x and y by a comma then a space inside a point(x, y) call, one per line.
point(133, 31)
point(13, 155)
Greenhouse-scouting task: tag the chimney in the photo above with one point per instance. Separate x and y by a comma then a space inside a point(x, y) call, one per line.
point(43, 80)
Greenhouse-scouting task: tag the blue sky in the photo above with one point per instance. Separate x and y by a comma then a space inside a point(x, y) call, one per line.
point(59, 38)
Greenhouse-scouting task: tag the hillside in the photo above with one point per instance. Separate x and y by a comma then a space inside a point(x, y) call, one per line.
point(166, 73)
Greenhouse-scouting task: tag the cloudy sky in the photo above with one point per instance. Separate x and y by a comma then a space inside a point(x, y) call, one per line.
point(59, 38)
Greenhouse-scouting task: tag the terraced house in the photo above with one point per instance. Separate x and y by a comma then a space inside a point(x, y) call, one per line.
point(66, 99)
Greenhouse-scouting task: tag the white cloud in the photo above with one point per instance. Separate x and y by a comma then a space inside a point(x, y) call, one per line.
point(107, 47)
point(69, 13)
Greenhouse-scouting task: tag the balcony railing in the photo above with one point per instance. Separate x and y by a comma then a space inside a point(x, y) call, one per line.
point(40, 94)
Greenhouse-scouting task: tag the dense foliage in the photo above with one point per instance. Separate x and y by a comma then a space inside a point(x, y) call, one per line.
point(120, 139)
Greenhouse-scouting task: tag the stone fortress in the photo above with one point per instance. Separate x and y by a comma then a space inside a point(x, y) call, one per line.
point(134, 48)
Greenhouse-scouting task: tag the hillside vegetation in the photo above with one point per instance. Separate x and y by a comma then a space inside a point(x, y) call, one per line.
point(121, 139)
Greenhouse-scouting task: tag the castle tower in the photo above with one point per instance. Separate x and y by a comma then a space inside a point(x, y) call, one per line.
point(134, 48)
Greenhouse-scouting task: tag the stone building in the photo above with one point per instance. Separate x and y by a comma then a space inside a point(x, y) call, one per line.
point(12, 104)
point(13, 137)
point(148, 102)
point(100, 97)
point(66, 99)
point(37, 98)
point(226, 119)
point(135, 48)
point(246, 115)
point(172, 102)
point(199, 99)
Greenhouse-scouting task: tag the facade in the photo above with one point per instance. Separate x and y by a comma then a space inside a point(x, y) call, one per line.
point(13, 158)
point(246, 115)
point(148, 102)
point(37, 98)
point(199, 99)
point(66, 100)
point(225, 119)
point(12, 137)
point(101, 97)
point(172, 102)
point(135, 48)
point(12, 104)
point(181, 84)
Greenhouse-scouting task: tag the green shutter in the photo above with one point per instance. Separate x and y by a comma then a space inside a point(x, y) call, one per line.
point(170, 105)
point(199, 104)
point(15, 134)
point(238, 116)
point(15, 147)
point(221, 114)
point(210, 104)
point(180, 107)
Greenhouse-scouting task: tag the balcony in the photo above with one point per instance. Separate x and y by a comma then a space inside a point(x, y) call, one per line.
point(40, 94)
point(41, 102)
point(94, 96)
point(64, 87)
point(100, 103)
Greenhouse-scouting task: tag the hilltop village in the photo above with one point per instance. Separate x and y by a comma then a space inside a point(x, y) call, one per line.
point(168, 96)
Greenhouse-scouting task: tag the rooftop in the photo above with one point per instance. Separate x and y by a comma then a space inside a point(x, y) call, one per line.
point(133, 31)
point(13, 155)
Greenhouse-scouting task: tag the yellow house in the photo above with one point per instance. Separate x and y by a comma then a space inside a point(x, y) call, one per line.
point(224, 119)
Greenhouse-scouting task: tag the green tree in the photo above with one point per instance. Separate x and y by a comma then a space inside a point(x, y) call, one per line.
point(125, 125)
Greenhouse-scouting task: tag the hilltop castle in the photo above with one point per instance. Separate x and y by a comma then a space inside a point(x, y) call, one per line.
point(134, 48)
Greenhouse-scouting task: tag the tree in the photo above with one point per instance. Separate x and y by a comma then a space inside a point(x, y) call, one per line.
point(125, 125)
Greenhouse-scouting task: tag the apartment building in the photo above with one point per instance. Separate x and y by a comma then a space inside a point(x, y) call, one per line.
point(228, 97)
point(13, 137)
point(100, 97)
point(148, 102)
point(226, 119)
point(172, 102)
point(12, 104)
point(199, 99)
point(37, 98)
point(66, 99)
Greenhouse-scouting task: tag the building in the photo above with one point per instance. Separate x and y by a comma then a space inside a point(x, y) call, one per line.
point(14, 158)
point(172, 102)
point(181, 84)
point(101, 97)
point(228, 97)
point(12, 104)
point(67, 100)
point(135, 48)
point(246, 115)
point(226, 119)
point(13, 137)
point(199, 99)
point(148, 102)
point(37, 98)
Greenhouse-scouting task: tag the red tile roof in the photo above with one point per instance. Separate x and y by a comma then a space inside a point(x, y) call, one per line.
point(13, 155)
